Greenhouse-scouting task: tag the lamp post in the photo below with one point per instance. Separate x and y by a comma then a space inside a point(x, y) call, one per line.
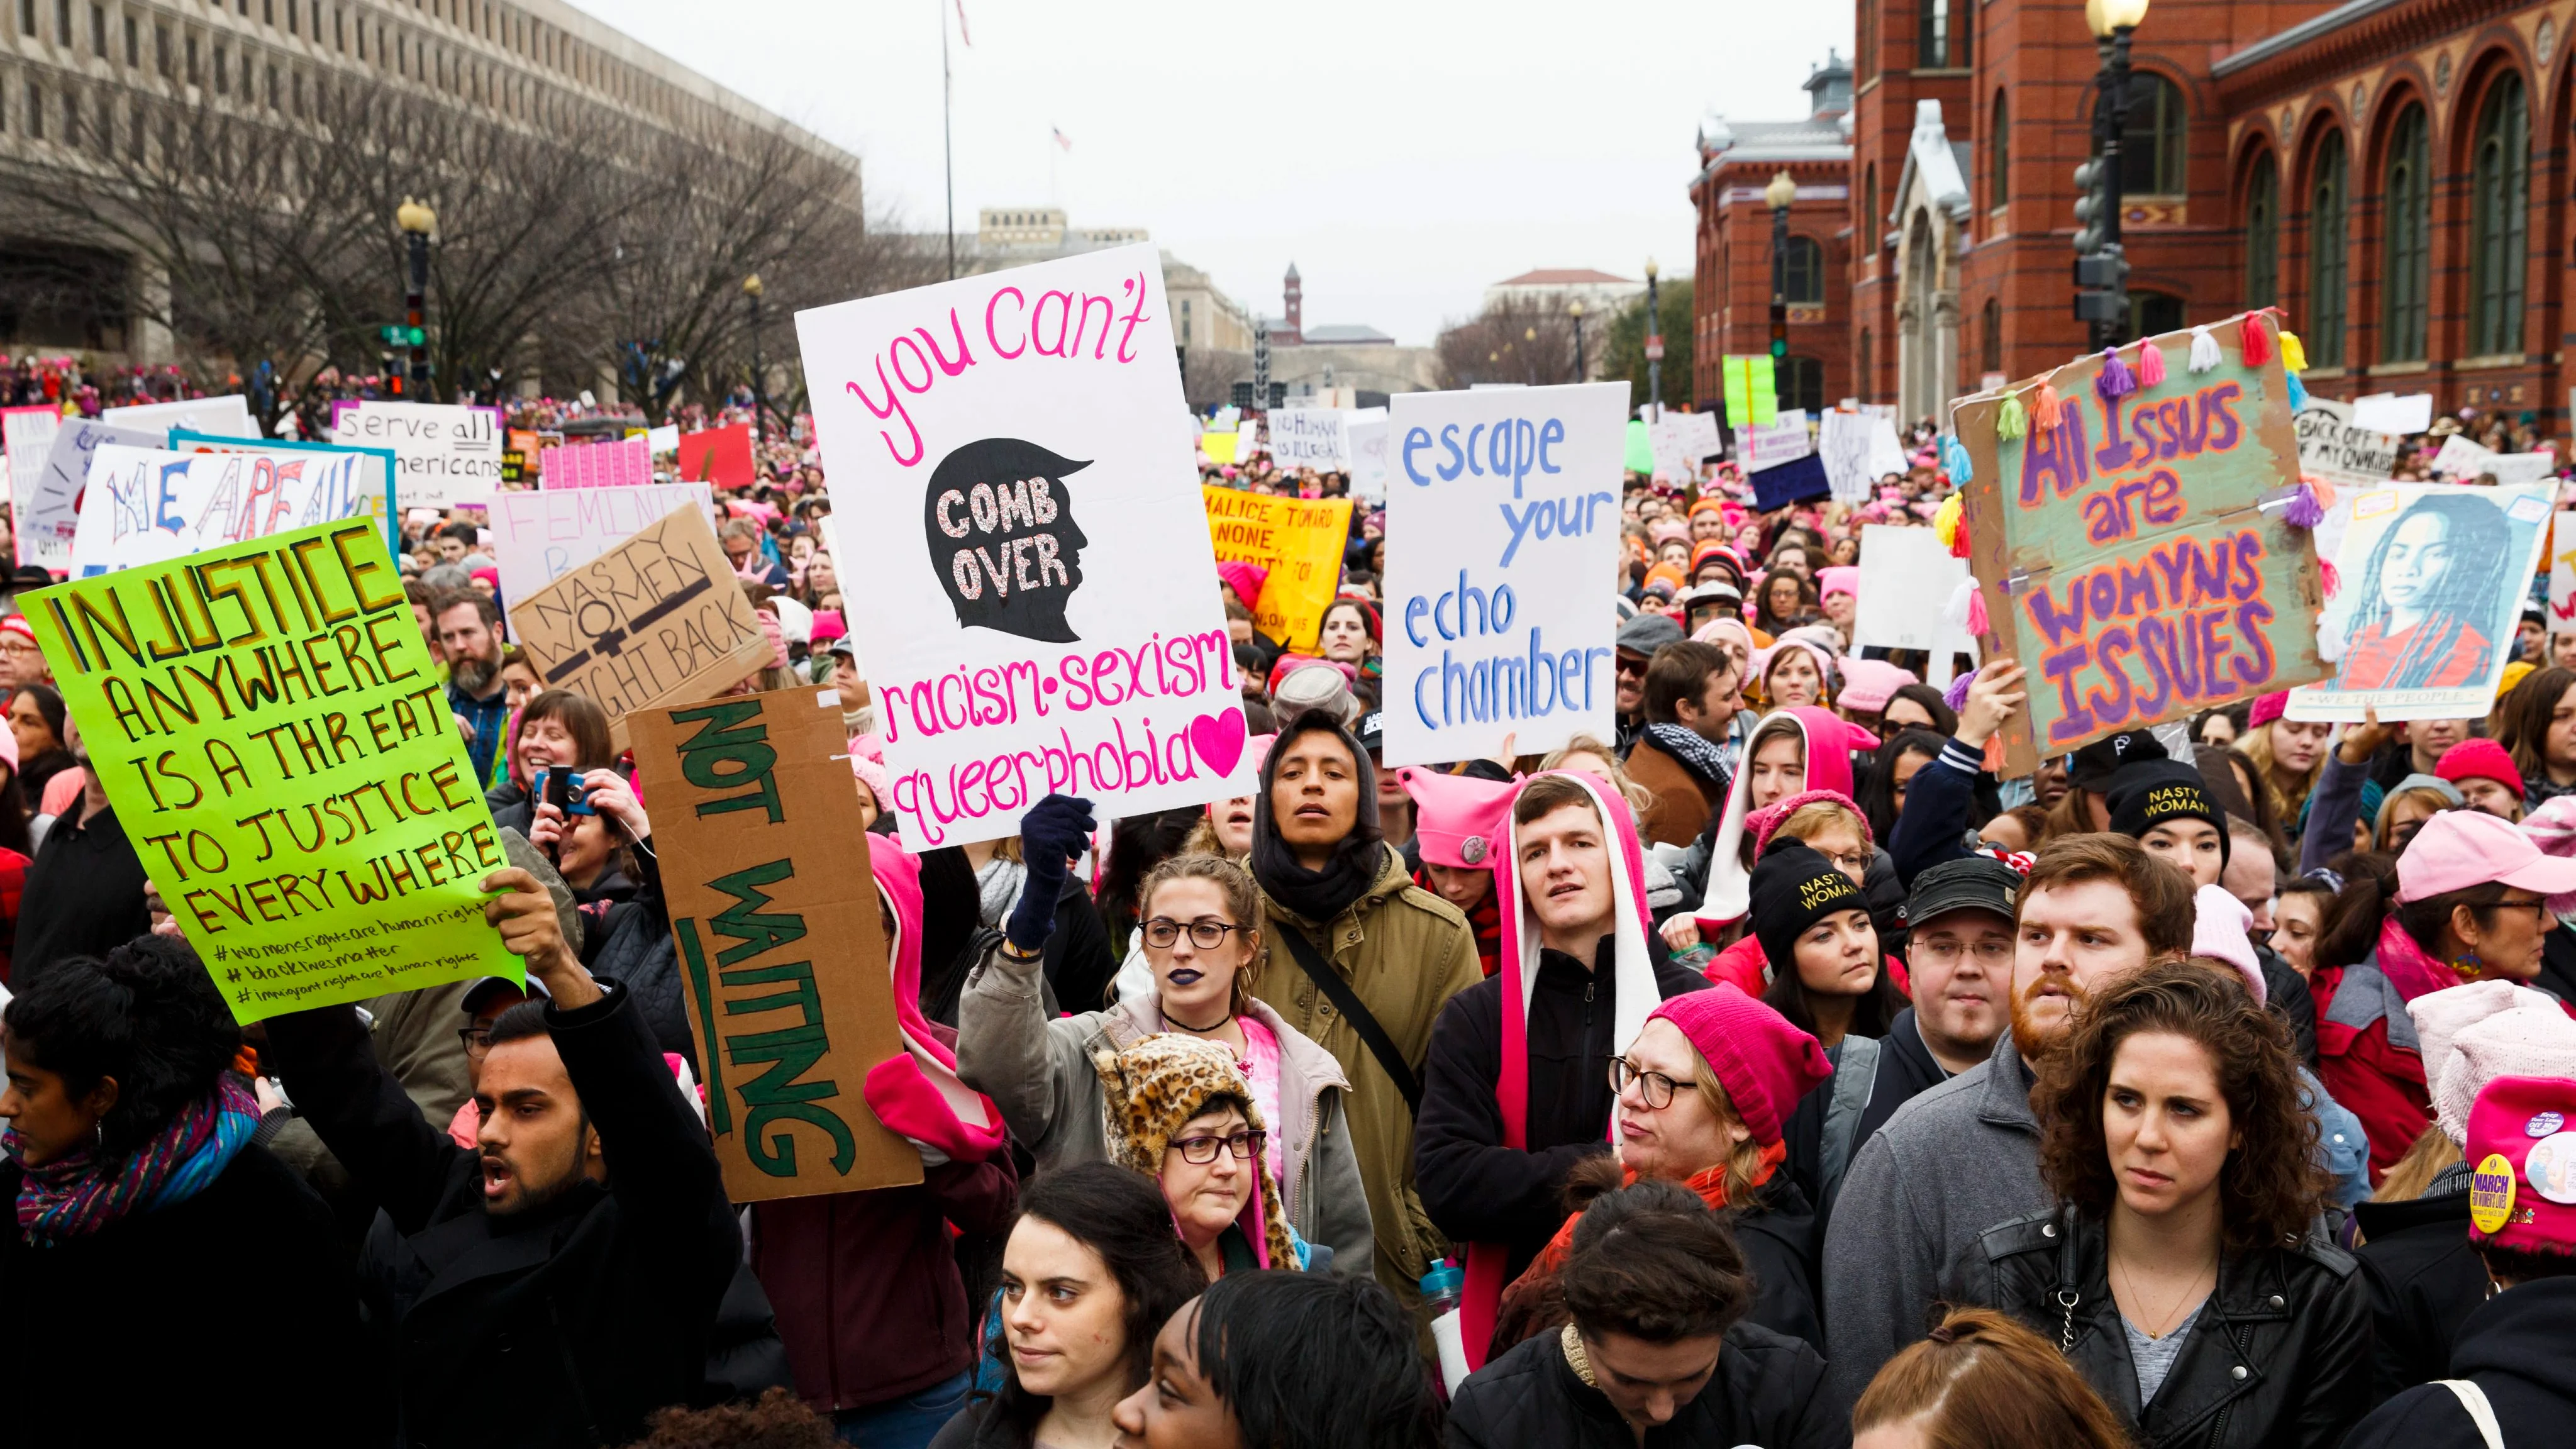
point(1654, 346)
point(418, 224)
point(1574, 309)
point(2103, 275)
point(759, 372)
point(1780, 194)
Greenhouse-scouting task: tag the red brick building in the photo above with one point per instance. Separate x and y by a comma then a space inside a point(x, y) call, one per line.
point(2390, 172)
point(1737, 163)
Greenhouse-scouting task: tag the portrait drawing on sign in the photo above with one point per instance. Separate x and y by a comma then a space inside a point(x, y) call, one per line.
point(999, 521)
point(2424, 616)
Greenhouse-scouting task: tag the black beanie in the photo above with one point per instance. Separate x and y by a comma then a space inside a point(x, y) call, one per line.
point(2150, 792)
point(1794, 887)
point(2094, 766)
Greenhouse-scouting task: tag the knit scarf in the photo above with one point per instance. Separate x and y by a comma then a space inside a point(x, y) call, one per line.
point(997, 889)
point(1702, 757)
point(2408, 967)
point(76, 1195)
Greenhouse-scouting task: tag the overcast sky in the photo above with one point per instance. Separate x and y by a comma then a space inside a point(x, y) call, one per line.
point(1403, 153)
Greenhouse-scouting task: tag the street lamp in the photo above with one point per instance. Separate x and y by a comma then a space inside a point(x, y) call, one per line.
point(1574, 309)
point(1780, 194)
point(2101, 276)
point(759, 373)
point(1654, 346)
point(418, 224)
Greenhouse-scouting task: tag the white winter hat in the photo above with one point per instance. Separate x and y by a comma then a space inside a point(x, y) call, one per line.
point(2440, 1016)
point(2528, 1041)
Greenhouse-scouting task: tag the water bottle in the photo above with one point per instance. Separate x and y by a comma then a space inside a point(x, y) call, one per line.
point(1443, 1289)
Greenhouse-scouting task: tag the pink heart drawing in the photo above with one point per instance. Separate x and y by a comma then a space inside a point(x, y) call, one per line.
point(1217, 739)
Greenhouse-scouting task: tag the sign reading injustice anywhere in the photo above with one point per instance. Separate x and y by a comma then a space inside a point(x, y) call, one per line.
point(1299, 540)
point(269, 726)
point(782, 962)
point(656, 620)
point(1040, 612)
point(2123, 553)
point(1509, 502)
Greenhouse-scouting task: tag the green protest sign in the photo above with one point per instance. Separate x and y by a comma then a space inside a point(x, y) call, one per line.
point(270, 730)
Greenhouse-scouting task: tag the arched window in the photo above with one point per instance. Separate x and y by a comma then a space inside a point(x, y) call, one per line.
point(2151, 313)
point(2329, 237)
point(1992, 360)
point(2407, 220)
point(2500, 188)
point(2152, 154)
point(1999, 155)
point(2263, 235)
point(1803, 275)
point(1802, 384)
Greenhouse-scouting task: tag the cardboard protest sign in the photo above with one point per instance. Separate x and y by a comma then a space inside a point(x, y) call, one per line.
point(2562, 575)
point(1509, 506)
point(2333, 449)
point(1308, 438)
point(27, 437)
point(2434, 581)
point(1906, 581)
point(443, 452)
point(721, 456)
point(539, 536)
point(1366, 433)
point(1299, 540)
point(151, 505)
point(1774, 443)
point(627, 463)
point(656, 620)
point(2388, 412)
point(1752, 391)
point(2124, 552)
point(269, 726)
point(227, 416)
point(782, 964)
point(1040, 611)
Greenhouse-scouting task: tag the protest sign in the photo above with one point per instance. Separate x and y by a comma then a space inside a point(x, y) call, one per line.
point(1637, 451)
point(721, 456)
point(1908, 578)
point(151, 505)
point(1774, 443)
point(1795, 481)
point(269, 726)
point(1858, 451)
point(1366, 433)
point(1040, 611)
point(539, 536)
point(1681, 442)
point(660, 619)
point(1308, 438)
point(2562, 575)
point(1752, 391)
point(2434, 581)
point(2343, 455)
point(2388, 412)
point(1299, 540)
point(760, 844)
point(1508, 503)
point(227, 416)
point(2465, 461)
point(442, 452)
point(664, 439)
point(626, 463)
point(27, 437)
point(376, 468)
point(1219, 447)
point(48, 522)
point(2124, 552)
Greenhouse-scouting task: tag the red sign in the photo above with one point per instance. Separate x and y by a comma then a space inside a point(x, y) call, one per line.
point(721, 456)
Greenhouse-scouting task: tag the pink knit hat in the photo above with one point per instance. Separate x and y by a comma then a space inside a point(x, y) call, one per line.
point(2267, 708)
point(1868, 684)
point(1458, 819)
point(2552, 827)
point(1761, 823)
point(1839, 579)
point(2218, 931)
point(1245, 579)
point(1764, 1063)
point(2479, 760)
point(2522, 1157)
point(867, 761)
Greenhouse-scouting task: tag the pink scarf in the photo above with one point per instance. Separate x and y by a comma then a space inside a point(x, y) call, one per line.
point(2407, 966)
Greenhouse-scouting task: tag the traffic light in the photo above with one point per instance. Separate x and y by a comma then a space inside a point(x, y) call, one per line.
point(2102, 287)
point(397, 335)
point(2092, 206)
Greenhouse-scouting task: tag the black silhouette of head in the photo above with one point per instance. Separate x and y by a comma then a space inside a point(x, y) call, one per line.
point(999, 521)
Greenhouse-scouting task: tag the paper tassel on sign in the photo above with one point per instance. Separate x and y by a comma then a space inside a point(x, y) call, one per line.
point(2298, 394)
point(1955, 461)
point(1956, 696)
point(1977, 621)
point(2204, 350)
point(1950, 524)
point(2151, 363)
point(2044, 408)
point(2114, 379)
point(2305, 511)
point(2329, 578)
point(2294, 353)
point(2257, 340)
point(2010, 421)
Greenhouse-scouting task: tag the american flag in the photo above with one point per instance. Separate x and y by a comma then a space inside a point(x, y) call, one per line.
point(1061, 139)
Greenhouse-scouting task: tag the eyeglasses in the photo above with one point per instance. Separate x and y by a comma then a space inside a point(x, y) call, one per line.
point(20, 649)
point(1988, 953)
point(1202, 1150)
point(1656, 1088)
point(1851, 862)
point(1162, 931)
point(2539, 909)
point(477, 1039)
point(1622, 664)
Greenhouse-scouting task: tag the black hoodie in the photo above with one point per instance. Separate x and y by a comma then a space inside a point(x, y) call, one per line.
point(2424, 1280)
point(2515, 1349)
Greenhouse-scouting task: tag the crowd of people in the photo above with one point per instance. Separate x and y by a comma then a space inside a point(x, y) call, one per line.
point(1765, 1071)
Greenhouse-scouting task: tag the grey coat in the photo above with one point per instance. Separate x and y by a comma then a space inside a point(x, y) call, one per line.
point(1037, 1069)
point(1955, 1161)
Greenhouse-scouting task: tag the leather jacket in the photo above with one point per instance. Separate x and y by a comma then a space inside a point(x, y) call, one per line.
point(2279, 1356)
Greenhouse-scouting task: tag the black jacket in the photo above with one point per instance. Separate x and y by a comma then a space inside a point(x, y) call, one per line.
point(2557, 963)
point(2279, 1358)
point(1477, 1190)
point(1905, 1069)
point(2515, 1348)
point(84, 895)
point(1782, 1240)
point(1768, 1390)
point(2424, 1281)
point(630, 940)
point(563, 1326)
point(2286, 995)
point(153, 1327)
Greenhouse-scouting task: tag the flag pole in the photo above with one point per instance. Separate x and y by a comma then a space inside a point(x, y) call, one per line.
point(947, 139)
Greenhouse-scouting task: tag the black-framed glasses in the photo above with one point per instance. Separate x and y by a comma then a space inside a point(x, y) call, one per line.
point(1654, 1087)
point(1988, 953)
point(1202, 1150)
point(477, 1039)
point(2539, 908)
point(1162, 931)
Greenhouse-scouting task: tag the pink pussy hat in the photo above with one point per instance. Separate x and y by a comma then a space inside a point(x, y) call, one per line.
point(1765, 1063)
point(2522, 1163)
point(2218, 932)
point(1457, 819)
point(1245, 579)
point(1839, 579)
point(2458, 849)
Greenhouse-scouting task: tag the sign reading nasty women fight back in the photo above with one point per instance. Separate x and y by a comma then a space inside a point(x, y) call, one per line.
point(268, 724)
point(1508, 502)
point(1041, 613)
point(2124, 551)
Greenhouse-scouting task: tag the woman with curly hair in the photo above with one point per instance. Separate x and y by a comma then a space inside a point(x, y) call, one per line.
point(2181, 1273)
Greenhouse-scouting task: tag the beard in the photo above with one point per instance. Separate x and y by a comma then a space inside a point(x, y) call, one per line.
point(2034, 1038)
point(474, 676)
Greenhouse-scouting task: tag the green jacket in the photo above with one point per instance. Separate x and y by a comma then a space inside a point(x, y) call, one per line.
point(1405, 952)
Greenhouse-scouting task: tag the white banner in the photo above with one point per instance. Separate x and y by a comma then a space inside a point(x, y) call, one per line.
point(2465, 462)
point(446, 452)
point(1039, 612)
point(2344, 455)
point(1497, 618)
point(225, 417)
point(1365, 432)
point(151, 505)
point(1681, 442)
point(1308, 438)
point(1858, 450)
point(26, 441)
point(2387, 412)
point(49, 520)
point(1907, 576)
point(539, 535)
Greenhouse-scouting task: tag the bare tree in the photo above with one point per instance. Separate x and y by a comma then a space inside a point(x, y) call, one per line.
point(1515, 339)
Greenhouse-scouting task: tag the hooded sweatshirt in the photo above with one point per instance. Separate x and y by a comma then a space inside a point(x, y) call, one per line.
point(1830, 741)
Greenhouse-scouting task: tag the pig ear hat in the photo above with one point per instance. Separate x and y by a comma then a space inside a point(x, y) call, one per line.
point(1828, 744)
point(1459, 820)
point(916, 1092)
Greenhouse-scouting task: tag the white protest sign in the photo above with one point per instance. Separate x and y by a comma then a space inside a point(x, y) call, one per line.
point(1308, 438)
point(1040, 611)
point(49, 519)
point(1680, 442)
point(26, 440)
point(1858, 450)
point(2466, 461)
point(2562, 576)
point(1906, 579)
point(1774, 443)
point(539, 535)
point(2333, 449)
point(445, 452)
point(151, 505)
point(1495, 623)
point(225, 417)
point(2387, 412)
point(1365, 432)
